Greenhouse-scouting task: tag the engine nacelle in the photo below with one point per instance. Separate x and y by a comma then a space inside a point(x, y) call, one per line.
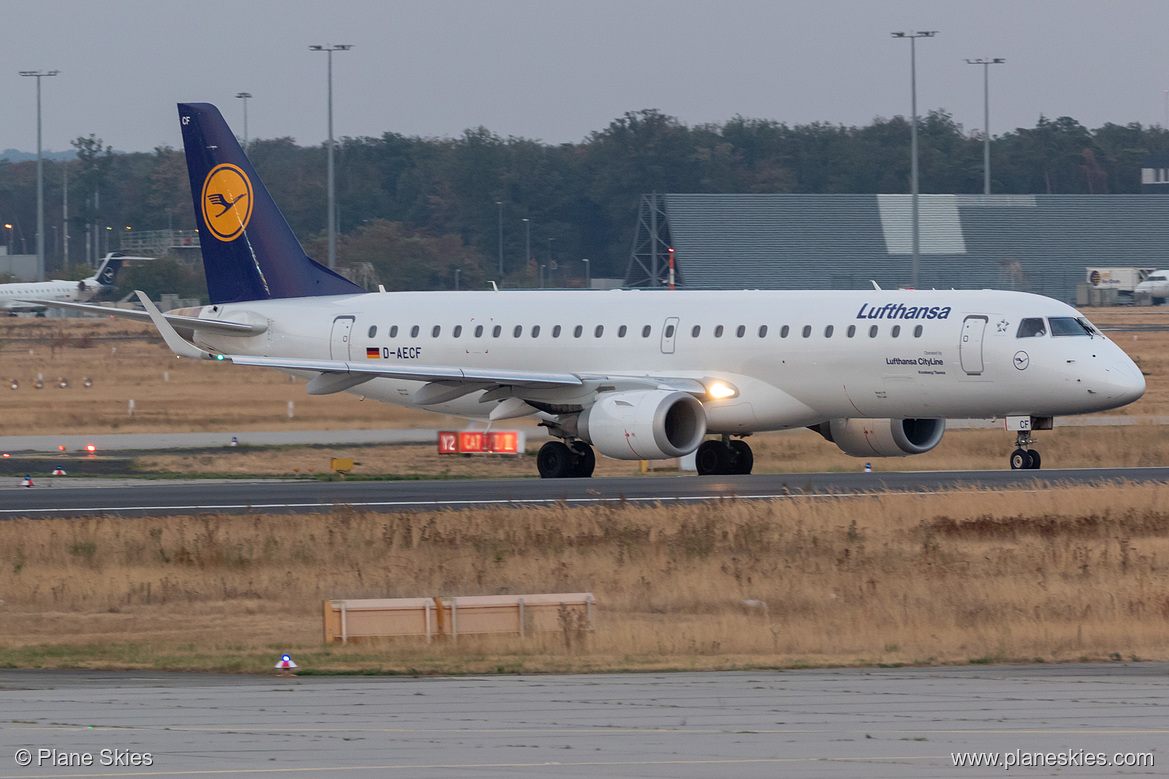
point(883, 437)
point(644, 424)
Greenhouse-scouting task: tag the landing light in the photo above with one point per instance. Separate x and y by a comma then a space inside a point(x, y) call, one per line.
point(90, 448)
point(721, 390)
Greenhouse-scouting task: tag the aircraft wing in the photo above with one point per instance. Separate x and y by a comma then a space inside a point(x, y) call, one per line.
point(176, 320)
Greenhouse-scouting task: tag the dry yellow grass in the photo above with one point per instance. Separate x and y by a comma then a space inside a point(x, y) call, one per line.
point(966, 576)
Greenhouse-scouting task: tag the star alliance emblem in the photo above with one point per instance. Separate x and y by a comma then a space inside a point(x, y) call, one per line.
point(1003, 325)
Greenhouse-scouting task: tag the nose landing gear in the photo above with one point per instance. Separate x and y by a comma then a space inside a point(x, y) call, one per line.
point(1023, 458)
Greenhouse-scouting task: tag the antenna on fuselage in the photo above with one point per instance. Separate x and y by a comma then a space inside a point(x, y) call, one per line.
point(495, 286)
point(876, 286)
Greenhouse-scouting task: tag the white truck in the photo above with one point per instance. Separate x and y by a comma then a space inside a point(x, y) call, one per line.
point(1123, 280)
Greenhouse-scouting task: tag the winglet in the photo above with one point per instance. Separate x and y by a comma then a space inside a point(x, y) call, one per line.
point(177, 344)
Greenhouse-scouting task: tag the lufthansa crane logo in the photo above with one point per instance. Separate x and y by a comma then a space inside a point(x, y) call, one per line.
point(227, 201)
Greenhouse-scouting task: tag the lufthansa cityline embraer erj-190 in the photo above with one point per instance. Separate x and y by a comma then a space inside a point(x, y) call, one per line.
point(635, 374)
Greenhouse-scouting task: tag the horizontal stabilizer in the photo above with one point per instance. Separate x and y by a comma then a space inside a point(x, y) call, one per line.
point(179, 322)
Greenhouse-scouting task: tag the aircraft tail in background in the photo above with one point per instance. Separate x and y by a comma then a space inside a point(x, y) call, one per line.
point(249, 250)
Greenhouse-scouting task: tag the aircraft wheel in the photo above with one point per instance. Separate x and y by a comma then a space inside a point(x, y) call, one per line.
point(554, 460)
point(1020, 459)
point(584, 460)
point(1034, 460)
point(742, 458)
point(712, 459)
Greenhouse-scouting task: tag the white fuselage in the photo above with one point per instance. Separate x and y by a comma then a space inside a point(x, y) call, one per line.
point(12, 295)
point(794, 358)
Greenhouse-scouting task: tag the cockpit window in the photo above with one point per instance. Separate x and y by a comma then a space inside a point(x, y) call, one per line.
point(1091, 328)
point(1158, 278)
point(1067, 325)
point(1031, 328)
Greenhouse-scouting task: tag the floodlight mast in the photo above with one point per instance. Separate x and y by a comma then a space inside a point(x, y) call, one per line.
point(329, 49)
point(986, 62)
point(38, 75)
point(913, 36)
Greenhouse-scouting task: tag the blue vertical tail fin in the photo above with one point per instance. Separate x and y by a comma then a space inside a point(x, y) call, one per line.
point(249, 251)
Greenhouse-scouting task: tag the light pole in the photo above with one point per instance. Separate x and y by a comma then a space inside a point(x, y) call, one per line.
point(244, 96)
point(913, 36)
point(588, 274)
point(500, 204)
point(457, 272)
point(38, 75)
point(8, 227)
point(329, 49)
point(527, 244)
point(986, 63)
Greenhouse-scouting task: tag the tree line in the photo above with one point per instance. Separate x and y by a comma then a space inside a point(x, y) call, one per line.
point(426, 212)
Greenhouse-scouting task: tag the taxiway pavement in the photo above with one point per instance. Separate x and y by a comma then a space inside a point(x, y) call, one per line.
point(876, 723)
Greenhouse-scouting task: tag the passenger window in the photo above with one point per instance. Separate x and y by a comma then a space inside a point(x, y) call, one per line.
point(394, 331)
point(851, 330)
point(740, 331)
point(599, 331)
point(783, 331)
point(496, 331)
point(917, 332)
point(645, 331)
point(621, 331)
point(435, 331)
point(414, 331)
point(458, 331)
point(556, 331)
point(517, 331)
point(807, 331)
point(478, 331)
point(694, 331)
point(1031, 328)
point(372, 331)
point(873, 331)
point(576, 331)
point(535, 331)
point(896, 333)
point(1067, 325)
point(828, 331)
point(762, 331)
point(718, 332)
point(669, 331)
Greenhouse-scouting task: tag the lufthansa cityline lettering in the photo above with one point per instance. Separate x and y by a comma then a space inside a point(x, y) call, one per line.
point(902, 311)
point(913, 361)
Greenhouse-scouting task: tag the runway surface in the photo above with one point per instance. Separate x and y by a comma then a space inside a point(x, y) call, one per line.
point(68, 497)
point(841, 723)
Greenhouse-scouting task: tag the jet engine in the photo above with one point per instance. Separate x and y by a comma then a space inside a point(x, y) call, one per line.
point(644, 424)
point(883, 437)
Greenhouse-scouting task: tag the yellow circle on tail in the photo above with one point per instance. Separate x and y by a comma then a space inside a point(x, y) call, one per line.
point(227, 201)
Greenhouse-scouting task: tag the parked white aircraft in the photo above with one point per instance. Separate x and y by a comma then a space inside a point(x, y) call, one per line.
point(636, 374)
point(1157, 285)
point(33, 295)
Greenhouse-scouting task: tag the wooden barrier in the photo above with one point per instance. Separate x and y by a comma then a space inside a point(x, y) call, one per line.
point(347, 619)
point(450, 617)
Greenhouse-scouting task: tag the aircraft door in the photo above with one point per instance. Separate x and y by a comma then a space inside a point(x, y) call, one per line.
point(669, 333)
point(970, 347)
point(342, 335)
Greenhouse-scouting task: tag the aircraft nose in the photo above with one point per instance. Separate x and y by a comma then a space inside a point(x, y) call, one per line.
point(1125, 382)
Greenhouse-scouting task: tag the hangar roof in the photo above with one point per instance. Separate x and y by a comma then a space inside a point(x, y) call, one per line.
point(1039, 243)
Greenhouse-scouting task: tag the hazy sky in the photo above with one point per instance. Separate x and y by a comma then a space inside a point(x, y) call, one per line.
point(555, 70)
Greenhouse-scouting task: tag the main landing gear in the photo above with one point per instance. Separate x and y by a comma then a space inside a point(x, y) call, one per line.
point(724, 457)
point(1023, 458)
point(558, 460)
